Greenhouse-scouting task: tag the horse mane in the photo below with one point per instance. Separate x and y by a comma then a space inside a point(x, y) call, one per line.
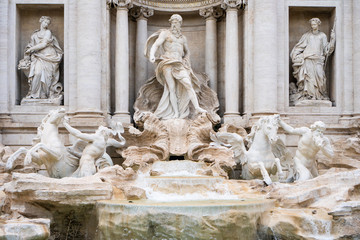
point(40, 129)
point(250, 137)
point(256, 127)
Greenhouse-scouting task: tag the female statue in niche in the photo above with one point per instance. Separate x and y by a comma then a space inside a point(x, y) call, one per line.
point(309, 57)
point(41, 63)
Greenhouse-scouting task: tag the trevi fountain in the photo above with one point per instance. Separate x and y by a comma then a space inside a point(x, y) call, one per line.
point(180, 119)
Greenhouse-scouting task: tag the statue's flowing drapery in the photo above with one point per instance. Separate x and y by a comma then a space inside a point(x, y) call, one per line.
point(308, 58)
point(44, 69)
point(179, 70)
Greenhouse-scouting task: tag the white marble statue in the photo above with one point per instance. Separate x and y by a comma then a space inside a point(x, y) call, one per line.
point(96, 146)
point(41, 63)
point(48, 148)
point(168, 48)
point(80, 159)
point(311, 142)
point(309, 57)
point(259, 161)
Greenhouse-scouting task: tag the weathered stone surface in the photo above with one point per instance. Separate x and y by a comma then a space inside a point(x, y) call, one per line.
point(325, 191)
point(25, 229)
point(180, 220)
point(33, 187)
point(282, 223)
point(134, 193)
point(326, 207)
point(346, 154)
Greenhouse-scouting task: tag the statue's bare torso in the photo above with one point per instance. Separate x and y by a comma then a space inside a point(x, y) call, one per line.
point(173, 46)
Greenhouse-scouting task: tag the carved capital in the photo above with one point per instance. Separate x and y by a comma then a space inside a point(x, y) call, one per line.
point(119, 3)
point(141, 12)
point(233, 4)
point(211, 12)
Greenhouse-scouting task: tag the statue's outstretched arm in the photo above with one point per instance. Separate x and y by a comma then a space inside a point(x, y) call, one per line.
point(77, 133)
point(114, 143)
point(290, 129)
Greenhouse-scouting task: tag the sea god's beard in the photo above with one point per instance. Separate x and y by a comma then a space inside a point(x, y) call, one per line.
point(318, 139)
point(176, 31)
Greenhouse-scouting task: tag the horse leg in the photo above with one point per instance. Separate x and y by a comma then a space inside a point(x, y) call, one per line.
point(10, 162)
point(32, 153)
point(47, 150)
point(264, 173)
point(279, 169)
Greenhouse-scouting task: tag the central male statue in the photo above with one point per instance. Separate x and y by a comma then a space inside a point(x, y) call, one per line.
point(169, 50)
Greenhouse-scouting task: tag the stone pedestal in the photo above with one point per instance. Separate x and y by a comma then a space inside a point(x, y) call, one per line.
point(42, 102)
point(313, 103)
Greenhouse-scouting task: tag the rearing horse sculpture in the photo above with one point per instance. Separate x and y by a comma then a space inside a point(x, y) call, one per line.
point(49, 148)
point(259, 160)
point(61, 161)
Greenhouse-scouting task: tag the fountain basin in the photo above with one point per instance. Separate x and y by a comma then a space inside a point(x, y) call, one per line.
point(208, 219)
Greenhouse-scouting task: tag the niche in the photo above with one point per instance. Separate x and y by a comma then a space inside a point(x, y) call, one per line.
point(298, 25)
point(27, 21)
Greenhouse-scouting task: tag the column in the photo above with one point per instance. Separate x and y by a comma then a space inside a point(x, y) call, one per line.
point(356, 56)
point(210, 15)
point(88, 59)
point(265, 57)
point(232, 91)
point(122, 62)
point(4, 80)
point(141, 15)
point(348, 88)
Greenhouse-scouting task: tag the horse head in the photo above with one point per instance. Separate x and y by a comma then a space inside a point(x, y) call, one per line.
point(270, 126)
point(55, 116)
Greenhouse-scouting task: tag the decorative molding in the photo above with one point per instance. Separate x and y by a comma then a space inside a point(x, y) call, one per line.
point(119, 4)
point(214, 12)
point(233, 4)
point(141, 12)
point(176, 5)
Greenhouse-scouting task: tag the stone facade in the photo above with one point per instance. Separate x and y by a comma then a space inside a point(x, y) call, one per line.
point(244, 46)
